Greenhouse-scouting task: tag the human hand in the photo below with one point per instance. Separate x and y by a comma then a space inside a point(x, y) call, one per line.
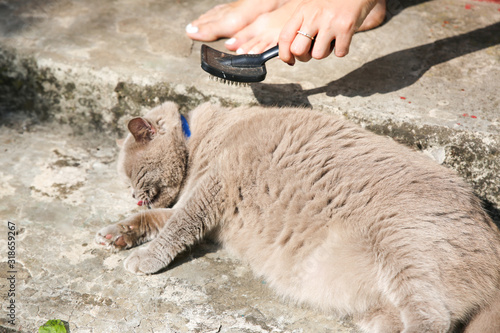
point(325, 20)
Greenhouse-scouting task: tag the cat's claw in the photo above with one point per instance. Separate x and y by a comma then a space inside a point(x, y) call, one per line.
point(142, 262)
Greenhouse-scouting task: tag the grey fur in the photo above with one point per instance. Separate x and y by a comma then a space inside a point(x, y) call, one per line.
point(328, 213)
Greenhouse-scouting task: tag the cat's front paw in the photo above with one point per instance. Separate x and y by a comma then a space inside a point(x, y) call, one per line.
point(142, 261)
point(117, 236)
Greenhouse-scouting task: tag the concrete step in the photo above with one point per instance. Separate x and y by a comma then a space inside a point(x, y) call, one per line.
point(72, 73)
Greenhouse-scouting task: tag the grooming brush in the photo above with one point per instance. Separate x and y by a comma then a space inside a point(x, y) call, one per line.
point(236, 69)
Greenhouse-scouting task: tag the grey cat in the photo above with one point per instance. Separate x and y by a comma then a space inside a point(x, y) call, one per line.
point(328, 213)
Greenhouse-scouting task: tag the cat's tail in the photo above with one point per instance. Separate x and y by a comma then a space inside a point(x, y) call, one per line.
point(487, 320)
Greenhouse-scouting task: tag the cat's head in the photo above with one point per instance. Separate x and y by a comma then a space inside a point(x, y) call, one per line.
point(153, 157)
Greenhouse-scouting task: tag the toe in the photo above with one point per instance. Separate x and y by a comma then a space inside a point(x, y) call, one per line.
point(241, 38)
point(120, 242)
point(263, 45)
point(207, 32)
point(190, 30)
point(250, 46)
point(101, 239)
point(232, 44)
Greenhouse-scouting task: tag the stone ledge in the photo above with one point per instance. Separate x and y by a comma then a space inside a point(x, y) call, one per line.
point(96, 102)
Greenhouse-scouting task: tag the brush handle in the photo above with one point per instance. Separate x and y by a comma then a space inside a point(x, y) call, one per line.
point(253, 60)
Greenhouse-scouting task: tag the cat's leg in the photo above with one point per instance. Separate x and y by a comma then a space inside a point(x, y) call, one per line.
point(134, 230)
point(421, 304)
point(385, 319)
point(426, 317)
point(409, 277)
point(188, 225)
point(415, 310)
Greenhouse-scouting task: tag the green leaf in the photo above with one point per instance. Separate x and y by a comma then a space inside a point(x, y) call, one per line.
point(53, 326)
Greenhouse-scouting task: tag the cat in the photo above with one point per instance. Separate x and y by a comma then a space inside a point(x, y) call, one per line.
point(328, 213)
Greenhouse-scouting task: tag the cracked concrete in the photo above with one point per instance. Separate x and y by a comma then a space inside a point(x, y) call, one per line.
point(72, 73)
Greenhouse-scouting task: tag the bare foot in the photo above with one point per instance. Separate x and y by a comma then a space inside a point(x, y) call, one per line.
point(375, 17)
point(227, 19)
point(263, 33)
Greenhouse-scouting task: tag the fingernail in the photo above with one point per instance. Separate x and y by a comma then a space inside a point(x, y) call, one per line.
point(230, 41)
point(191, 29)
point(240, 51)
point(252, 52)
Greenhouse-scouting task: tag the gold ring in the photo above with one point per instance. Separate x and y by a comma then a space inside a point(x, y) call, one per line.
point(305, 34)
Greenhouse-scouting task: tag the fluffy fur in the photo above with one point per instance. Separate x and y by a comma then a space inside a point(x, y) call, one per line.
point(328, 213)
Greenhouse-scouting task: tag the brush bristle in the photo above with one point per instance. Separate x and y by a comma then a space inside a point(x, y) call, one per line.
point(228, 82)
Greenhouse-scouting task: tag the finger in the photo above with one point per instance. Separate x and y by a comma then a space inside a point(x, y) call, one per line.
point(303, 51)
point(304, 58)
point(287, 36)
point(302, 44)
point(342, 45)
point(323, 45)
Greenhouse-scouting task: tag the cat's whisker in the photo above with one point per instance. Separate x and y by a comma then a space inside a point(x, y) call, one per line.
point(147, 203)
point(142, 215)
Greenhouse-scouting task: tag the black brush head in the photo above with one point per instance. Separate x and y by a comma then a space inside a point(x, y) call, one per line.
point(222, 65)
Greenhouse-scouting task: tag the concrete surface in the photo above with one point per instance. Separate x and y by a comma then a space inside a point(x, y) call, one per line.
point(71, 74)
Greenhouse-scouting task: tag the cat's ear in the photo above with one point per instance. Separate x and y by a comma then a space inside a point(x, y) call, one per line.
point(141, 129)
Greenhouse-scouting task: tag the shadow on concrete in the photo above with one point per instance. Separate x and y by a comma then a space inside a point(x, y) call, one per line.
point(17, 16)
point(197, 251)
point(284, 95)
point(386, 74)
point(394, 7)
point(492, 211)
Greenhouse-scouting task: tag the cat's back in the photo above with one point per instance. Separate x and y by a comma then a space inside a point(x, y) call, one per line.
point(314, 148)
point(324, 169)
point(314, 155)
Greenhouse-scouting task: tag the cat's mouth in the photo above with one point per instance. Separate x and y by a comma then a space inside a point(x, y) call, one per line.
point(156, 200)
point(146, 202)
point(143, 203)
point(148, 199)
